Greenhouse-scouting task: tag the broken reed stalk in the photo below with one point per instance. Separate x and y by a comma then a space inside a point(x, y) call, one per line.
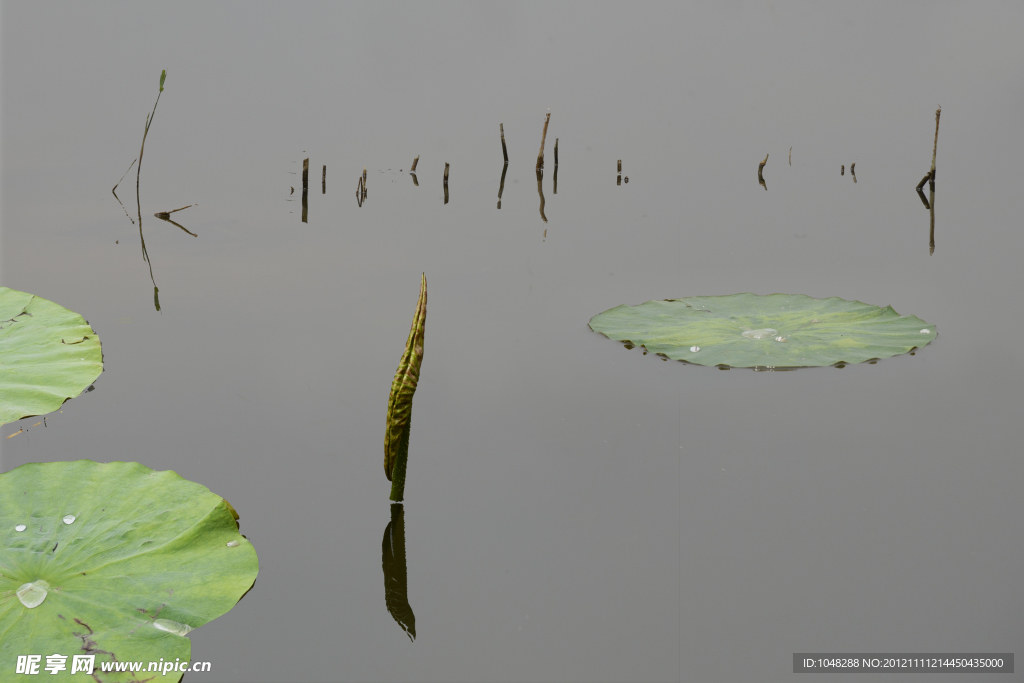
point(323, 189)
point(504, 150)
point(122, 178)
point(760, 178)
point(407, 377)
point(853, 172)
point(149, 121)
point(554, 177)
point(364, 181)
point(556, 152)
point(927, 177)
point(164, 214)
point(935, 149)
point(842, 169)
point(790, 156)
point(543, 137)
point(446, 182)
point(114, 191)
point(412, 169)
point(619, 167)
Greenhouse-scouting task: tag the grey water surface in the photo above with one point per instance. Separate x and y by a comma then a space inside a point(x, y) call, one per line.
point(574, 511)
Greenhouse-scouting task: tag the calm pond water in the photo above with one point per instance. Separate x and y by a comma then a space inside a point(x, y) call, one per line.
point(574, 511)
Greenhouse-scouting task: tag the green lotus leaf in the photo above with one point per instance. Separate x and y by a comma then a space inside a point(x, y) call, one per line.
point(113, 560)
point(48, 354)
point(777, 330)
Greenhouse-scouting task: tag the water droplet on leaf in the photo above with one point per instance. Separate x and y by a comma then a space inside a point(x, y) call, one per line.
point(20, 527)
point(760, 334)
point(33, 594)
point(694, 349)
point(69, 519)
point(175, 627)
point(232, 544)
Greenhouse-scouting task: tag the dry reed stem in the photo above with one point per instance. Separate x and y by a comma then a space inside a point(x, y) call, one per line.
point(543, 138)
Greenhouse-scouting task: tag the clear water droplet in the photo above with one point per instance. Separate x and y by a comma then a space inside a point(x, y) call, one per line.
point(232, 544)
point(69, 519)
point(20, 527)
point(694, 349)
point(925, 331)
point(175, 627)
point(760, 334)
point(33, 594)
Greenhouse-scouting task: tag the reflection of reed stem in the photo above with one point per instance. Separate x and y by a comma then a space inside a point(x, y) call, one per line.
point(760, 178)
point(931, 232)
point(504, 150)
point(543, 138)
point(842, 169)
point(323, 189)
point(501, 186)
point(790, 156)
point(412, 169)
point(446, 182)
point(935, 149)
point(305, 190)
point(556, 152)
point(540, 191)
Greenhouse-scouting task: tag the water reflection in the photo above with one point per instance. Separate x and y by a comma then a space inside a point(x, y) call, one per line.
point(446, 182)
point(760, 178)
point(540, 191)
point(929, 177)
point(162, 215)
point(412, 170)
point(504, 170)
point(554, 178)
point(305, 189)
point(396, 580)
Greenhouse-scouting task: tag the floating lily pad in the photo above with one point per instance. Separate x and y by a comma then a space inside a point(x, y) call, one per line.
point(777, 330)
point(113, 560)
point(48, 354)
